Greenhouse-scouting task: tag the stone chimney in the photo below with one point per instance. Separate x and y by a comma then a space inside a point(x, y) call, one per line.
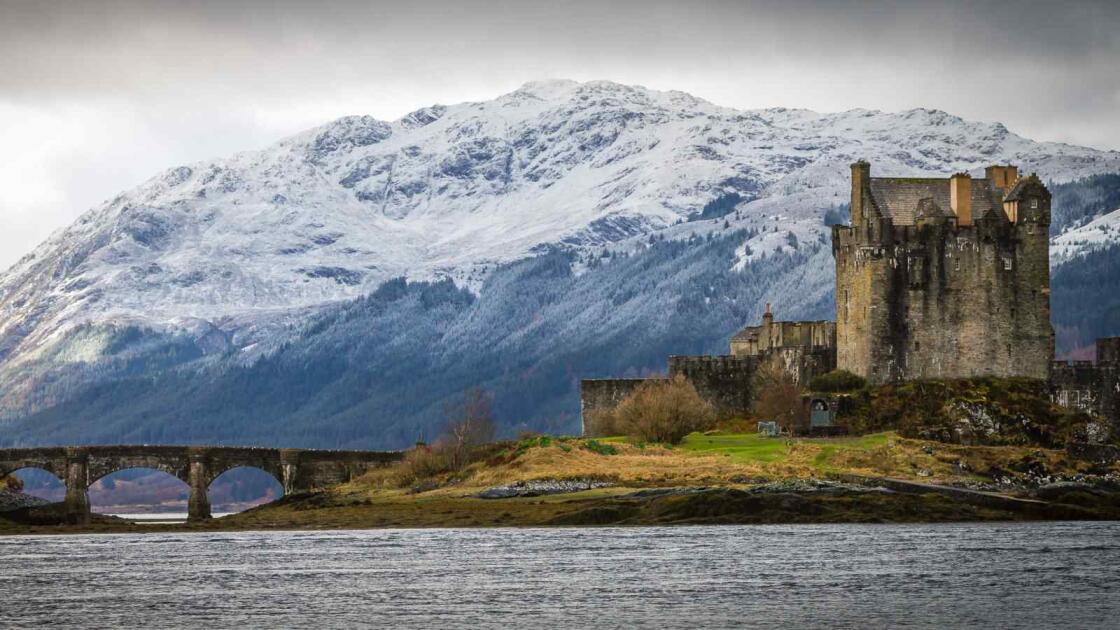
point(861, 177)
point(767, 317)
point(960, 197)
point(1002, 177)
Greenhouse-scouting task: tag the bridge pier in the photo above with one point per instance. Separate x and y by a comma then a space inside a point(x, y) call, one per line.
point(77, 483)
point(198, 478)
point(289, 470)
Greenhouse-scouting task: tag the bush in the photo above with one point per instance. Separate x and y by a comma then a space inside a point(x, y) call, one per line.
point(421, 463)
point(11, 483)
point(656, 411)
point(837, 381)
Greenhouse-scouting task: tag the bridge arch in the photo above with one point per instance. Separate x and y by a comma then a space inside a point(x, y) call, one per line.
point(138, 485)
point(33, 478)
point(246, 486)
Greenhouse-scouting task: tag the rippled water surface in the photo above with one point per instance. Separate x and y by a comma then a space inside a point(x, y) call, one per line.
point(826, 576)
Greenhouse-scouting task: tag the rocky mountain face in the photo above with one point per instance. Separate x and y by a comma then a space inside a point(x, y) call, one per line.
point(338, 287)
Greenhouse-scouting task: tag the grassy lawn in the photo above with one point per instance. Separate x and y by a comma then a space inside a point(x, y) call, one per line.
point(751, 447)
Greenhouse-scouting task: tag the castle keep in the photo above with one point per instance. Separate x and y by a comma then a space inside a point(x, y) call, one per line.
point(944, 277)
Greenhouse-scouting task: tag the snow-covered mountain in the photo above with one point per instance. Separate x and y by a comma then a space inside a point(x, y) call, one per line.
point(1100, 233)
point(230, 258)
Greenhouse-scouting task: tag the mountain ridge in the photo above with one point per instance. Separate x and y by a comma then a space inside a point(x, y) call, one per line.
point(223, 262)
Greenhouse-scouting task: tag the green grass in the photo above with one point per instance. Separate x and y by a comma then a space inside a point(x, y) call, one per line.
point(751, 447)
point(745, 447)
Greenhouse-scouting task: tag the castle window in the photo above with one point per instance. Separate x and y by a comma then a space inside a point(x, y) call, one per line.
point(917, 345)
point(1007, 263)
point(1030, 228)
point(1034, 203)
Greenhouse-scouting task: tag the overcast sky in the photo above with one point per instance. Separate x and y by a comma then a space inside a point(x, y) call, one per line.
point(97, 96)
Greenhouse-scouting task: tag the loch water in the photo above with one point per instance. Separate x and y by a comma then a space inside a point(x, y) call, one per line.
point(1003, 575)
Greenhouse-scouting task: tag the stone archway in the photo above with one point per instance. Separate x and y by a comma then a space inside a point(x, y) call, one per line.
point(249, 478)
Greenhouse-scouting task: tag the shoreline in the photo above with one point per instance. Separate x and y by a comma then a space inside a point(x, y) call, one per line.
point(616, 507)
point(716, 477)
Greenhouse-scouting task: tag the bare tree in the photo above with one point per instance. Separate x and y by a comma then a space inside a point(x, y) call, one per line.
point(777, 396)
point(470, 424)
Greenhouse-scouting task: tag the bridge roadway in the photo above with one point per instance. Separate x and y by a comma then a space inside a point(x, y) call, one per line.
point(296, 469)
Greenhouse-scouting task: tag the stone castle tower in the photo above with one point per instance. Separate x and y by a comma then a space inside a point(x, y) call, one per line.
point(944, 277)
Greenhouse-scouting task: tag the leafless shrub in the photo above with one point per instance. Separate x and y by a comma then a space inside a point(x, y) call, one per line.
point(656, 411)
point(470, 426)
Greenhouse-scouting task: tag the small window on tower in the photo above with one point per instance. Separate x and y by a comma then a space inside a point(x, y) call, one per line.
point(1007, 263)
point(1034, 202)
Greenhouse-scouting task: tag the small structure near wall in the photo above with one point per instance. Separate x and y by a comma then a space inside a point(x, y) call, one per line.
point(769, 428)
point(821, 415)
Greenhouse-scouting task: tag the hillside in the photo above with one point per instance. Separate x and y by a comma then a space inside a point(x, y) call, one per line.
point(338, 288)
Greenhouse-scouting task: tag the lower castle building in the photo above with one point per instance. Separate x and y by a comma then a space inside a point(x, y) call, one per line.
point(1092, 387)
point(935, 278)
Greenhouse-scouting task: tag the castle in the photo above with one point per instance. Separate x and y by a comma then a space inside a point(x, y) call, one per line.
point(935, 278)
point(944, 278)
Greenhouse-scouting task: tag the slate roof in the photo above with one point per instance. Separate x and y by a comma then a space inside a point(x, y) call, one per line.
point(898, 197)
point(1021, 185)
point(750, 332)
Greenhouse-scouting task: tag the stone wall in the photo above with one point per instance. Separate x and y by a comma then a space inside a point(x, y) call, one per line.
point(1091, 387)
point(724, 381)
point(938, 300)
point(603, 394)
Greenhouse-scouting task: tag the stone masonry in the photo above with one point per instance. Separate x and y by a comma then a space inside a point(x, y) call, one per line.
point(1091, 387)
point(944, 277)
point(198, 466)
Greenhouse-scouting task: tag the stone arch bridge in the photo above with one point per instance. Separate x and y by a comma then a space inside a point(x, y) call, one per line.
point(296, 469)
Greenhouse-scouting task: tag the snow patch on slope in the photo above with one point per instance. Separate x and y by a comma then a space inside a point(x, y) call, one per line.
point(1100, 233)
